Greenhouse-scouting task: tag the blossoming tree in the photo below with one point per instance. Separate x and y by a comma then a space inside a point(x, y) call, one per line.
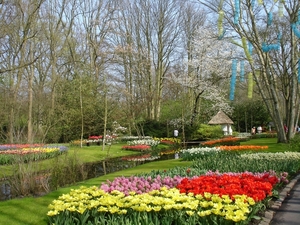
point(209, 67)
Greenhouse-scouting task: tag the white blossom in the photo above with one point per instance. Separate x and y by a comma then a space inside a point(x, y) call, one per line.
point(211, 63)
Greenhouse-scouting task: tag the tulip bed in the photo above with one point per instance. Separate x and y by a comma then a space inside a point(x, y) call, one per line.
point(243, 147)
point(25, 153)
point(141, 147)
point(150, 148)
point(224, 141)
point(169, 141)
point(140, 158)
point(221, 187)
point(224, 199)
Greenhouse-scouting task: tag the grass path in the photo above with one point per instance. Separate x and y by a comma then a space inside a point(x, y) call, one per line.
point(271, 142)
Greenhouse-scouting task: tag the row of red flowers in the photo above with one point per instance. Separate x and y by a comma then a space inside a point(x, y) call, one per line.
point(95, 137)
point(136, 147)
point(257, 187)
point(220, 141)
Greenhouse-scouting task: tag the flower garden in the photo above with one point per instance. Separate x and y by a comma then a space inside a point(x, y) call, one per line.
point(149, 148)
point(11, 153)
point(225, 184)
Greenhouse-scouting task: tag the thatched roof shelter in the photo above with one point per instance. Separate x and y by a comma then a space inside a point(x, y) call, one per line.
point(220, 119)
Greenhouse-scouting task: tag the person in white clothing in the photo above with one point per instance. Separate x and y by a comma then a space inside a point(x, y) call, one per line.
point(259, 129)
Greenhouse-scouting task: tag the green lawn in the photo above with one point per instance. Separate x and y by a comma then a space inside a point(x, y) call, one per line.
point(85, 154)
point(271, 142)
point(32, 211)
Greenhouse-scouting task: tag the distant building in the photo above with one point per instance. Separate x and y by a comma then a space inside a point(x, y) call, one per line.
point(222, 119)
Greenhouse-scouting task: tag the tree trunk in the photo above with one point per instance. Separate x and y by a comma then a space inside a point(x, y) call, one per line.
point(30, 98)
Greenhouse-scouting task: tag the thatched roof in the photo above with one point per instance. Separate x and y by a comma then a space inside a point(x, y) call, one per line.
point(220, 118)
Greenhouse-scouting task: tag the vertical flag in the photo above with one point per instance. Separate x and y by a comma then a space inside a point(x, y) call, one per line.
point(233, 79)
point(250, 85)
point(242, 71)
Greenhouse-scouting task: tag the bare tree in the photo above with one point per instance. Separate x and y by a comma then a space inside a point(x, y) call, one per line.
point(98, 19)
point(56, 22)
point(20, 17)
point(165, 41)
point(147, 42)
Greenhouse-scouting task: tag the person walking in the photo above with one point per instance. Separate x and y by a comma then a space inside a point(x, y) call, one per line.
point(286, 129)
point(253, 131)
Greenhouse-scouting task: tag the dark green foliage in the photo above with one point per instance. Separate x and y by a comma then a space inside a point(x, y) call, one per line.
point(154, 128)
point(191, 132)
point(294, 143)
point(250, 113)
point(205, 132)
point(264, 135)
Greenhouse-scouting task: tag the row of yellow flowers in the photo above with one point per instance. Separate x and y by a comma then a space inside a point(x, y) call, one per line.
point(168, 140)
point(93, 200)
